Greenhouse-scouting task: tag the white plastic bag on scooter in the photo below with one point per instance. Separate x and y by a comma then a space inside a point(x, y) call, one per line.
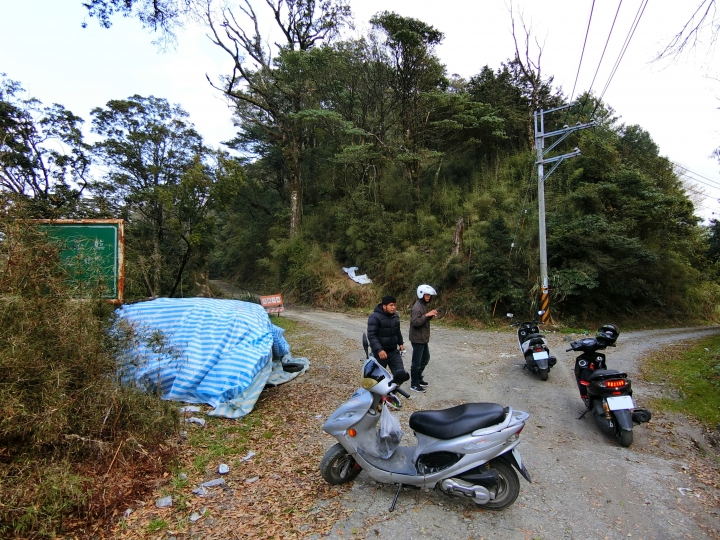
point(389, 433)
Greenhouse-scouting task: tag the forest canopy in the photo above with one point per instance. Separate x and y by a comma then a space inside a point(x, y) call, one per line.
point(365, 152)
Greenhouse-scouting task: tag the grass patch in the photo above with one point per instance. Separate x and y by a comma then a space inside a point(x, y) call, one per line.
point(691, 376)
point(283, 322)
point(157, 525)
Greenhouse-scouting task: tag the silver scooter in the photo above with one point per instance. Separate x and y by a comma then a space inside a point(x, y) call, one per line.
point(467, 451)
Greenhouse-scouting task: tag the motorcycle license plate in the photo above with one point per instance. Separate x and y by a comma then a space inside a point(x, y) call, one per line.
point(618, 403)
point(542, 355)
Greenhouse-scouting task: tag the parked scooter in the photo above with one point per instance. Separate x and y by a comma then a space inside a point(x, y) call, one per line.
point(607, 393)
point(467, 451)
point(534, 347)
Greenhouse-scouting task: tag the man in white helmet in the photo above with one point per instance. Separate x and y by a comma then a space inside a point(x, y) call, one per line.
point(420, 336)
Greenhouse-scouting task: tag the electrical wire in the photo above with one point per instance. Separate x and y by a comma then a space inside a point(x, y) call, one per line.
point(523, 211)
point(587, 32)
point(715, 184)
point(601, 136)
point(605, 48)
point(623, 50)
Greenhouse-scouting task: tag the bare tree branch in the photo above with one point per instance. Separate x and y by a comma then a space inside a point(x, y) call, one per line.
point(704, 17)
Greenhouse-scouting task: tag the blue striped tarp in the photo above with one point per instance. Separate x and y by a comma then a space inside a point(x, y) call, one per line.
point(218, 352)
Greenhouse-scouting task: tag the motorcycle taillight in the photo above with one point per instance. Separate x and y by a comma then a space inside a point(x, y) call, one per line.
point(617, 383)
point(538, 349)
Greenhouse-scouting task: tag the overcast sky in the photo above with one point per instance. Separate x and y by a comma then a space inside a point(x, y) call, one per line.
point(44, 48)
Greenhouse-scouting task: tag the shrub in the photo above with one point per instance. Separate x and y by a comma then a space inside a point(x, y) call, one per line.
point(62, 406)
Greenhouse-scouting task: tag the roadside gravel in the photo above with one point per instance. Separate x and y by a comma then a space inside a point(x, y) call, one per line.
point(584, 484)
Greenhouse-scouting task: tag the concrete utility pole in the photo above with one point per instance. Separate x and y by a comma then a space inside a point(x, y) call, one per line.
point(540, 136)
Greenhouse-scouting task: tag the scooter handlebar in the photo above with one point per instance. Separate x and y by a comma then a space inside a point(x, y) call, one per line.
point(402, 392)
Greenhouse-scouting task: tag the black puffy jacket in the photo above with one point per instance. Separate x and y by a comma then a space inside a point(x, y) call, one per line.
point(384, 331)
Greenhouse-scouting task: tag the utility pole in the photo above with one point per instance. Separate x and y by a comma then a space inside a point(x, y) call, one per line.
point(540, 136)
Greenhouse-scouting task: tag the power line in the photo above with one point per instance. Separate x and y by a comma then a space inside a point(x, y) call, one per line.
point(636, 162)
point(605, 48)
point(686, 170)
point(625, 46)
point(587, 32)
point(687, 173)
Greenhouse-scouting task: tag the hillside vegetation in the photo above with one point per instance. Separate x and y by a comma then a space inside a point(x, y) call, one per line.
point(365, 152)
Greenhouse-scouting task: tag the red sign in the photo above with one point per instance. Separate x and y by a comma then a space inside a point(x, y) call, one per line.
point(272, 303)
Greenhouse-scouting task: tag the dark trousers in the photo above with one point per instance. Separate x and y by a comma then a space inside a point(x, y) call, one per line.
point(394, 360)
point(420, 359)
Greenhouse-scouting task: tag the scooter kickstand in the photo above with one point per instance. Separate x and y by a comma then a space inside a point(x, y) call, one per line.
point(583, 414)
point(392, 506)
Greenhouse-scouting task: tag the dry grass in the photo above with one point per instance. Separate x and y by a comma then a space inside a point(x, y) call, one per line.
point(63, 413)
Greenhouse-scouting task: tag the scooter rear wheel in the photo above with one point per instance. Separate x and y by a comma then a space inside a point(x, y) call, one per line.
point(508, 488)
point(337, 466)
point(625, 437)
point(543, 374)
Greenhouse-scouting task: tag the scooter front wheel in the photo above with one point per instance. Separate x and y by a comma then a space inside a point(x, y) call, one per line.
point(337, 466)
point(508, 488)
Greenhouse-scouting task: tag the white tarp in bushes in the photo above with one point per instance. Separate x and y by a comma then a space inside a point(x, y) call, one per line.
point(218, 352)
point(362, 279)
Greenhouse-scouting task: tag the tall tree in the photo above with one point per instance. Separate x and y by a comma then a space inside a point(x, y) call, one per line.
point(269, 102)
point(43, 156)
point(417, 73)
point(161, 180)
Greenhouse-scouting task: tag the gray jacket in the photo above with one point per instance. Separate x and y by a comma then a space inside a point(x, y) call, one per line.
point(419, 323)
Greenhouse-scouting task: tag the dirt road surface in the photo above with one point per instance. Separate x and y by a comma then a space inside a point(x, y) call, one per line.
point(585, 486)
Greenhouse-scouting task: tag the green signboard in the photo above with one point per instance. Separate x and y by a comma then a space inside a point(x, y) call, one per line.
point(92, 251)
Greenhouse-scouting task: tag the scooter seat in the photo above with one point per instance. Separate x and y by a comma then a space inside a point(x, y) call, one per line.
point(456, 421)
point(532, 336)
point(605, 374)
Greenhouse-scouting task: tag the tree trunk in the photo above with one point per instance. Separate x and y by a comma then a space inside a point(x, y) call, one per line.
point(458, 236)
point(178, 276)
point(295, 206)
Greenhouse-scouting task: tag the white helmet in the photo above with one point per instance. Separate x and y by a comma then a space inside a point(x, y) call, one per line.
point(422, 290)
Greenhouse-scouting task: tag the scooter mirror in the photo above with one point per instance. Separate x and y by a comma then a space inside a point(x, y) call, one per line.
point(541, 312)
point(400, 377)
point(510, 315)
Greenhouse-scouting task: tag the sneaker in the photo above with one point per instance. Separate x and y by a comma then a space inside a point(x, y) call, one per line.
point(417, 388)
point(423, 383)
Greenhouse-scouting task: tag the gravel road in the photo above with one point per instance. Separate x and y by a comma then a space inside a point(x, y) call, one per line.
point(584, 484)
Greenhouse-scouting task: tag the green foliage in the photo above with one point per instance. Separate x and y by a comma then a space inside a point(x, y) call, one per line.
point(365, 153)
point(690, 378)
point(167, 185)
point(298, 268)
point(44, 160)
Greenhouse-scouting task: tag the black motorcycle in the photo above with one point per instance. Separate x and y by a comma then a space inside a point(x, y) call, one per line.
point(607, 393)
point(534, 347)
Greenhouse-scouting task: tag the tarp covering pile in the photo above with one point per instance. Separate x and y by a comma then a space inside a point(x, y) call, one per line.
point(218, 352)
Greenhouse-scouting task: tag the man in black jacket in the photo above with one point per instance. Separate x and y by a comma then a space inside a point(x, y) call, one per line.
point(384, 335)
